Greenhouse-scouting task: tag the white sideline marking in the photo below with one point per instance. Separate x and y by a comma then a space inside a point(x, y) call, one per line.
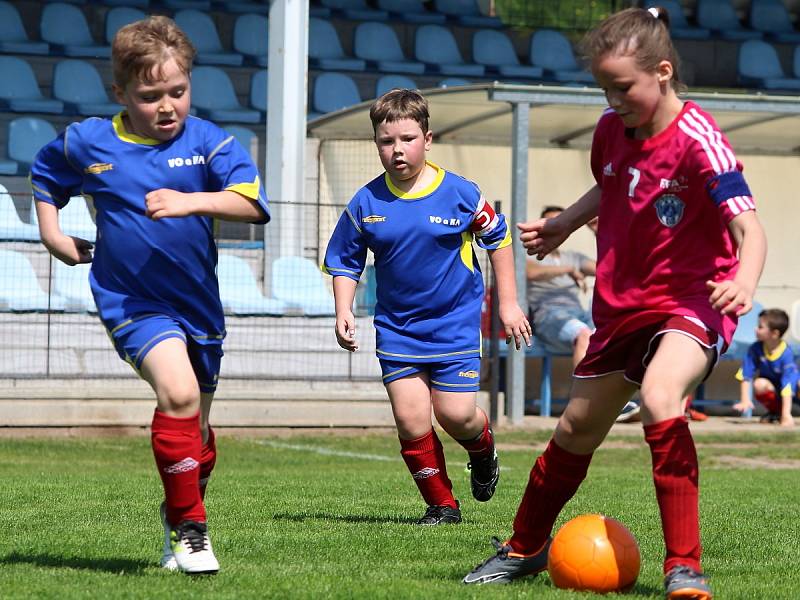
point(328, 451)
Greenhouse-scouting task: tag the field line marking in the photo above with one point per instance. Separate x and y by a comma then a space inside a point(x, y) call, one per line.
point(328, 451)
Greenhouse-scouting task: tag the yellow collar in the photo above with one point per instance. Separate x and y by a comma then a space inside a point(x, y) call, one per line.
point(421, 193)
point(131, 138)
point(775, 354)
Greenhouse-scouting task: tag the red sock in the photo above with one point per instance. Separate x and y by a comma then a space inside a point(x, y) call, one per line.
point(675, 473)
point(481, 444)
point(554, 479)
point(208, 458)
point(424, 458)
point(176, 447)
point(770, 401)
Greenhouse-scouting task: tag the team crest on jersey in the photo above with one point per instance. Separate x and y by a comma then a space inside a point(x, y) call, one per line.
point(669, 209)
point(373, 219)
point(97, 168)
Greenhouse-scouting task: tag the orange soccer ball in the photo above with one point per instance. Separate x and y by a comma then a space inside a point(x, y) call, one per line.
point(594, 553)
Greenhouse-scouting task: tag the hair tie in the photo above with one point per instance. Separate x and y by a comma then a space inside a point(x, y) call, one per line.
point(653, 11)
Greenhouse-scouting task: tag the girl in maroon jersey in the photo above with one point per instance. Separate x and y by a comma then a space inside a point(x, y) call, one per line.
point(680, 252)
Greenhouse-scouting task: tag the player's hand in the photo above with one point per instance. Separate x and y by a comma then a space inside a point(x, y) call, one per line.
point(164, 202)
point(346, 331)
point(579, 278)
point(742, 406)
point(542, 236)
point(515, 324)
point(69, 249)
point(729, 296)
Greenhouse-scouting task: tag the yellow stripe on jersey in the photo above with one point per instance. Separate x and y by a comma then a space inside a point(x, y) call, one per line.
point(466, 250)
point(248, 190)
point(420, 194)
point(131, 138)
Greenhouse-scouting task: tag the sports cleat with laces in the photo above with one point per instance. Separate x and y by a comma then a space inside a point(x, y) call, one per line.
point(167, 555)
point(192, 548)
point(441, 515)
point(507, 565)
point(485, 472)
point(685, 583)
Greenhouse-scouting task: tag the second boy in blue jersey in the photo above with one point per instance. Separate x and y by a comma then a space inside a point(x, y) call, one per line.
point(769, 366)
point(420, 222)
point(158, 177)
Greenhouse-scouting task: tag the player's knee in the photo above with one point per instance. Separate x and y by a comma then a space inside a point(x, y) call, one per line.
point(180, 397)
point(762, 386)
point(656, 397)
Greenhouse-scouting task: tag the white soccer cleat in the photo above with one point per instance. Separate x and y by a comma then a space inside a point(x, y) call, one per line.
point(191, 548)
point(168, 561)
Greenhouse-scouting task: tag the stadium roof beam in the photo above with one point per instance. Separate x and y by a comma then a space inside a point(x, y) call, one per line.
point(544, 115)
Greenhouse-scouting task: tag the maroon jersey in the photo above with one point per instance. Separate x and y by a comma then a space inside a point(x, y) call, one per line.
point(664, 212)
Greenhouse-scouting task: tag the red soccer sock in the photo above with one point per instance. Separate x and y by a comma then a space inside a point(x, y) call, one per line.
point(424, 458)
point(208, 458)
point(555, 477)
point(770, 401)
point(675, 474)
point(481, 444)
point(176, 446)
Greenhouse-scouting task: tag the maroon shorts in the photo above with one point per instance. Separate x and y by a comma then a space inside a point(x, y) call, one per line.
point(630, 354)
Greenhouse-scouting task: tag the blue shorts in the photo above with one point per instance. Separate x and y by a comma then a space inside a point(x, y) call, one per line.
point(558, 327)
point(135, 338)
point(459, 375)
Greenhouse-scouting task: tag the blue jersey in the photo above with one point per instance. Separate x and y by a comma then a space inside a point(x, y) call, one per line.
point(778, 367)
point(429, 285)
point(143, 266)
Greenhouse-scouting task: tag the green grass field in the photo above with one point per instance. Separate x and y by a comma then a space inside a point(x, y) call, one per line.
point(331, 516)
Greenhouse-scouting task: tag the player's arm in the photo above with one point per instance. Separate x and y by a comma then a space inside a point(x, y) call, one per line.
point(536, 271)
point(514, 321)
point(69, 250)
point(589, 267)
point(542, 236)
point(227, 205)
point(736, 295)
point(745, 402)
point(344, 291)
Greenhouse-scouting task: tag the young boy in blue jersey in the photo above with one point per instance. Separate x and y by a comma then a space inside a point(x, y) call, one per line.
point(158, 178)
point(420, 221)
point(770, 368)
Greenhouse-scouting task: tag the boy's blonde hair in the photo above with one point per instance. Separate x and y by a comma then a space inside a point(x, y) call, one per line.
point(398, 104)
point(643, 34)
point(141, 48)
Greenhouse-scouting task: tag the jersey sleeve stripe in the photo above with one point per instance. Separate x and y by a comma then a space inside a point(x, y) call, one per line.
point(703, 142)
point(719, 156)
point(734, 206)
point(716, 136)
point(352, 220)
point(221, 145)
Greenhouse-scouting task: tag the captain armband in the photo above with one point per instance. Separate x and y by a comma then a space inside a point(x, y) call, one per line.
point(725, 186)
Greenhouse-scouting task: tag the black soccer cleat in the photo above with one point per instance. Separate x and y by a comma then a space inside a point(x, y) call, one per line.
point(484, 475)
point(441, 515)
point(506, 565)
point(685, 583)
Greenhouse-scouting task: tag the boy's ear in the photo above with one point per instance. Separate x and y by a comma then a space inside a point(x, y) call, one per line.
point(428, 139)
point(119, 93)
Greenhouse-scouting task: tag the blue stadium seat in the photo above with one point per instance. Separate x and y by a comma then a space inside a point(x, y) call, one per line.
point(494, 50)
point(20, 290)
point(378, 43)
point(129, 3)
point(201, 30)
point(12, 228)
point(355, 9)
point(325, 50)
point(466, 12)
point(679, 27)
point(259, 87)
point(26, 136)
point(64, 26)
point(8, 166)
point(73, 219)
point(389, 82)
point(120, 16)
point(251, 38)
point(452, 82)
point(411, 11)
point(720, 17)
point(796, 62)
point(13, 37)
point(436, 47)
point(317, 11)
point(552, 51)
point(759, 66)
point(214, 98)
point(239, 290)
point(772, 18)
point(23, 95)
point(244, 7)
point(334, 91)
point(72, 284)
point(202, 5)
point(77, 83)
point(299, 282)
point(246, 137)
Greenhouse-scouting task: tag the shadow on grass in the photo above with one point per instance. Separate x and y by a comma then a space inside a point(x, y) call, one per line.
point(109, 565)
point(301, 517)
